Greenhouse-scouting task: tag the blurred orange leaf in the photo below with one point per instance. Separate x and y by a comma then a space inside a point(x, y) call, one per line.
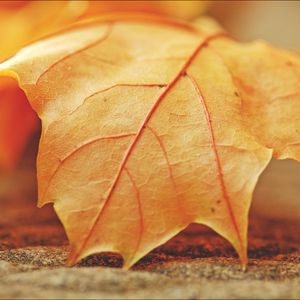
point(17, 122)
point(150, 124)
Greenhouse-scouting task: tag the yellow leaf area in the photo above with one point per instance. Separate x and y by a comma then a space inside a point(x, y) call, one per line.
point(150, 124)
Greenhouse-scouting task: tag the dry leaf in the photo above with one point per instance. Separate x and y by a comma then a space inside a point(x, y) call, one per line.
point(149, 125)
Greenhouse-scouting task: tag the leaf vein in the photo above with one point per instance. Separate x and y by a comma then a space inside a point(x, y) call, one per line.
point(76, 150)
point(139, 205)
point(217, 157)
point(78, 51)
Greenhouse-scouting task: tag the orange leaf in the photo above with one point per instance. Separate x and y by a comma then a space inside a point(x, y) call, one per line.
point(149, 125)
point(17, 122)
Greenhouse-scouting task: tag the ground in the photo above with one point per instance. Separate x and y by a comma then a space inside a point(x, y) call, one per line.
point(195, 264)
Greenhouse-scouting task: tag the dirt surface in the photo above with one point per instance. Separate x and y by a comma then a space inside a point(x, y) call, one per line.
point(197, 263)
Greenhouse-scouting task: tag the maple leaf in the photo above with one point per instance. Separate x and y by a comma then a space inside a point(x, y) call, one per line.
point(150, 124)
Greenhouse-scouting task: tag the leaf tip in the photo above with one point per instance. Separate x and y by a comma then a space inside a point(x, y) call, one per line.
point(243, 258)
point(128, 263)
point(72, 259)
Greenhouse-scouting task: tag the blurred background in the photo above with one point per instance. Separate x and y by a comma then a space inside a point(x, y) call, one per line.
point(277, 194)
